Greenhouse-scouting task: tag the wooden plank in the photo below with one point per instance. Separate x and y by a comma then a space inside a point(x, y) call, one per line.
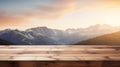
point(64, 52)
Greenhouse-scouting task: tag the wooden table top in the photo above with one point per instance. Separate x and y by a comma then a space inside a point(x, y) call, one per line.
point(60, 53)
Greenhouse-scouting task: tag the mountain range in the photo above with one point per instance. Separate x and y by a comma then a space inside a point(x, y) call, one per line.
point(48, 36)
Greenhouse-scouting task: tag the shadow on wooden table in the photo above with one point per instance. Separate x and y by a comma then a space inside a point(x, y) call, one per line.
point(60, 64)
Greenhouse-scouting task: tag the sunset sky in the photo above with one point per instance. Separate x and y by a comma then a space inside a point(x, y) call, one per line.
point(58, 14)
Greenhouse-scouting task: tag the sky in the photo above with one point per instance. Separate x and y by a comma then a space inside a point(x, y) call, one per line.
point(58, 14)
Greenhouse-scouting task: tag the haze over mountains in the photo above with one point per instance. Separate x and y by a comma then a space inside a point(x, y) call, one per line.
point(47, 36)
point(107, 39)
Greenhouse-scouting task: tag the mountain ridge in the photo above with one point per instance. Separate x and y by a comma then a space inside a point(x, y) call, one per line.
point(48, 36)
point(107, 39)
point(4, 42)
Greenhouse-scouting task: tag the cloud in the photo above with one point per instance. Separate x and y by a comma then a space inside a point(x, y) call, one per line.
point(7, 19)
point(54, 9)
point(113, 3)
point(15, 13)
point(58, 8)
point(50, 9)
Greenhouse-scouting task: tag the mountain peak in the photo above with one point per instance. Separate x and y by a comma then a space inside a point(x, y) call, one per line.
point(99, 26)
point(35, 28)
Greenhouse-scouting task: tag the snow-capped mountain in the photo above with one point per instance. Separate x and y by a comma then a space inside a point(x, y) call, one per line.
point(47, 36)
point(23, 37)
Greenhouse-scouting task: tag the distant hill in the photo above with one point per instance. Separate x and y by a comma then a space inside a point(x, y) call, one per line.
point(4, 42)
point(108, 39)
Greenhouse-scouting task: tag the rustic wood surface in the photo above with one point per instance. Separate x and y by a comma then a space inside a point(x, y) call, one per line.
point(60, 53)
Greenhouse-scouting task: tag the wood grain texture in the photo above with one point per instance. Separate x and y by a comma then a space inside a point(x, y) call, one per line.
point(60, 53)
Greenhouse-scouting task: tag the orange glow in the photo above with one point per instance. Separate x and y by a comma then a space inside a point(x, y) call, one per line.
point(70, 16)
